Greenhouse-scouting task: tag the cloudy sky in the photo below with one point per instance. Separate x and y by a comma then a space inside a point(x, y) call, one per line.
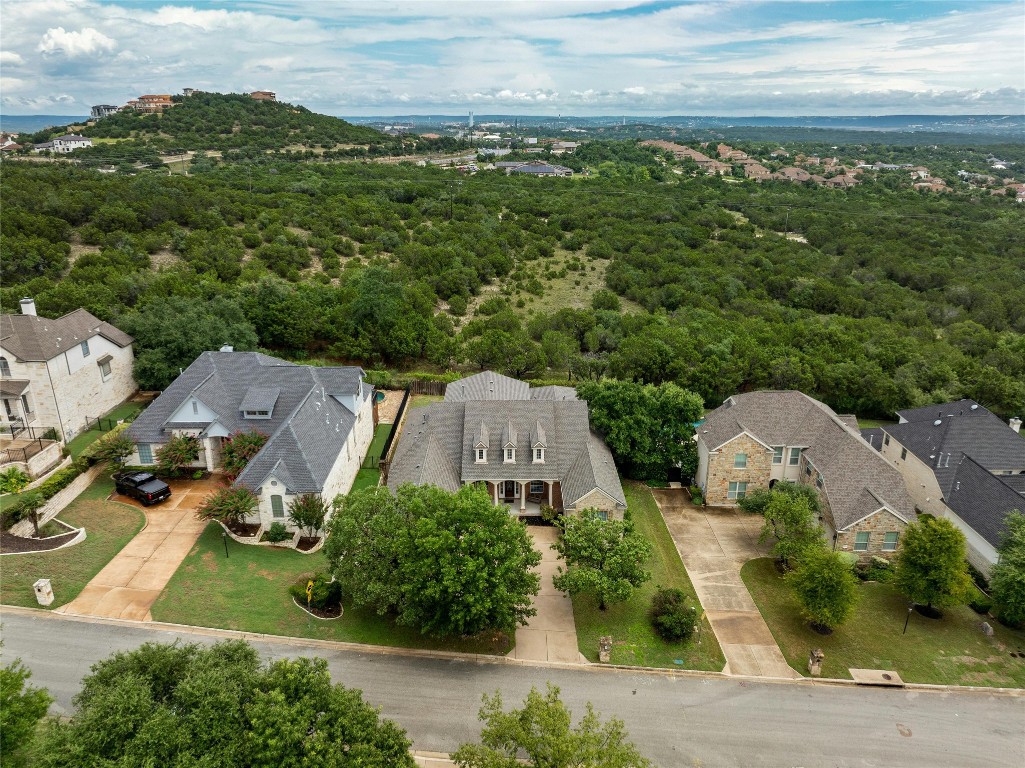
point(584, 57)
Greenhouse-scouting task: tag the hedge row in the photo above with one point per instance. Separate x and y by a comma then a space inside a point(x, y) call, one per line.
point(53, 485)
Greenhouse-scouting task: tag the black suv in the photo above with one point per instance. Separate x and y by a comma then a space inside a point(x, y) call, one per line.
point(142, 486)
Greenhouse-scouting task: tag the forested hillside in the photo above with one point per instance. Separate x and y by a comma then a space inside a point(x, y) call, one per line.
point(896, 298)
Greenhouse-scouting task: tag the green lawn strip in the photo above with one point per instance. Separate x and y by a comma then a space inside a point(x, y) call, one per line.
point(85, 439)
point(634, 640)
point(367, 477)
point(248, 591)
point(377, 444)
point(418, 401)
point(109, 526)
point(873, 423)
point(952, 650)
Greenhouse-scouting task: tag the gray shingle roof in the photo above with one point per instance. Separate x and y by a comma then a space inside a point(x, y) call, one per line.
point(36, 339)
point(857, 480)
point(438, 440)
point(13, 387)
point(308, 427)
point(982, 499)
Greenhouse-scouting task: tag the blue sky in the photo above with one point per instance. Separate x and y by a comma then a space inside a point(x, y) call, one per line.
point(584, 57)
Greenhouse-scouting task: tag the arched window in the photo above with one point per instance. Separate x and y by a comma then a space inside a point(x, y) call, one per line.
point(277, 506)
point(5, 367)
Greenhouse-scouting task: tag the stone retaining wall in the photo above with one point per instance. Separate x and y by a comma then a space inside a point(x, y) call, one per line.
point(56, 505)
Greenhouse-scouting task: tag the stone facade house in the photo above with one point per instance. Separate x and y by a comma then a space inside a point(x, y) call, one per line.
point(319, 423)
point(757, 439)
point(962, 462)
point(61, 372)
point(529, 445)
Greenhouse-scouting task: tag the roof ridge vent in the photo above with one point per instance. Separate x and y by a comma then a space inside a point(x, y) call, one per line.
point(937, 422)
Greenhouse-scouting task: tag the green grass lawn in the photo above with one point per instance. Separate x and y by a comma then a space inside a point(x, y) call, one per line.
point(377, 444)
point(85, 439)
point(418, 401)
point(248, 591)
point(108, 525)
point(952, 650)
point(873, 423)
point(367, 477)
point(634, 640)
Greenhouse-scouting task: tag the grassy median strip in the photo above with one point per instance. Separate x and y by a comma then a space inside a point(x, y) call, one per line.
point(634, 639)
point(248, 591)
point(109, 526)
point(952, 650)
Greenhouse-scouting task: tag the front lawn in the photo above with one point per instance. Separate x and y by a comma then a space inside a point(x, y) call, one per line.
point(109, 526)
point(248, 591)
point(85, 439)
point(634, 640)
point(952, 650)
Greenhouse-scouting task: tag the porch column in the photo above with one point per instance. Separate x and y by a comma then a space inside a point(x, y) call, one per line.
point(523, 494)
point(550, 493)
point(208, 444)
point(495, 486)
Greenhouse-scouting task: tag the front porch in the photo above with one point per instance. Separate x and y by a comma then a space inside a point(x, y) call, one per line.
point(524, 497)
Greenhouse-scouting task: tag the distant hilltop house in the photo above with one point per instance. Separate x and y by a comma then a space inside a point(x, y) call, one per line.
point(102, 110)
point(151, 103)
point(962, 462)
point(61, 372)
point(63, 144)
point(263, 95)
point(529, 446)
point(319, 423)
point(757, 439)
point(186, 92)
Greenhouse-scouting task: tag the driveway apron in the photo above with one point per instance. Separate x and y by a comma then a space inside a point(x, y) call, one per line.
point(129, 584)
point(551, 635)
point(714, 544)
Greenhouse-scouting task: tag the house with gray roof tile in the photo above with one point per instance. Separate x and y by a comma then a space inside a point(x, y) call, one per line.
point(757, 439)
point(529, 445)
point(319, 424)
point(61, 372)
point(960, 461)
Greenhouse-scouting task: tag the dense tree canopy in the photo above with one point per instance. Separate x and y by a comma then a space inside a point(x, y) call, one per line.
point(931, 566)
point(1007, 579)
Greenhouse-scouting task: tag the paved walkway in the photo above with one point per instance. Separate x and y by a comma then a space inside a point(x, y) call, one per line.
point(129, 584)
point(551, 635)
point(714, 544)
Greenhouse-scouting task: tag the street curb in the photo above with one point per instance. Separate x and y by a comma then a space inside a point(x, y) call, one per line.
point(381, 650)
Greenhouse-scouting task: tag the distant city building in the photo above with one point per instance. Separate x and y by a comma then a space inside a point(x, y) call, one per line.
point(102, 110)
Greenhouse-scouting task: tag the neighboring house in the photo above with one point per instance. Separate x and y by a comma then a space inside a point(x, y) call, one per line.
point(540, 169)
point(102, 110)
point(962, 462)
point(529, 445)
point(319, 423)
point(792, 173)
point(263, 95)
point(757, 439)
point(714, 167)
point(60, 373)
point(754, 170)
point(63, 144)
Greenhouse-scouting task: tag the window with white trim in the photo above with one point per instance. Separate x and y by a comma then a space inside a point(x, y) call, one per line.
point(603, 514)
point(145, 453)
point(737, 490)
point(510, 455)
point(537, 487)
point(482, 456)
point(195, 406)
point(105, 371)
point(277, 506)
point(890, 539)
point(795, 457)
point(85, 348)
point(861, 540)
point(777, 454)
point(5, 367)
point(539, 455)
point(740, 461)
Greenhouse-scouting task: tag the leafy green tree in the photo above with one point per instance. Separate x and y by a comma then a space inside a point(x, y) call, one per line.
point(825, 585)
point(792, 523)
point(176, 454)
point(446, 563)
point(604, 558)
point(307, 512)
point(931, 567)
point(30, 505)
point(181, 705)
point(114, 447)
point(21, 709)
point(239, 449)
point(1007, 579)
point(543, 731)
point(228, 505)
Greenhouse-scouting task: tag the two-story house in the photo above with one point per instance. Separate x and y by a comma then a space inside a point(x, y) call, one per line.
point(61, 372)
point(319, 424)
point(757, 439)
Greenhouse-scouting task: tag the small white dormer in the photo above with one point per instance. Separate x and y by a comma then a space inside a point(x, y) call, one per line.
point(258, 402)
point(509, 444)
point(480, 445)
point(538, 444)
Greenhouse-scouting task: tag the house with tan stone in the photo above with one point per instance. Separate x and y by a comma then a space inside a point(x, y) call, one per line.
point(319, 423)
point(757, 439)
point(960, 461)
point(530, 446)
point(61, 372)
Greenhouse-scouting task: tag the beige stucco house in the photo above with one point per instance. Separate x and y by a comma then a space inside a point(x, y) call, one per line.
point(757, 439)
point(319, 423)
point(61, 372)
point(530, 446)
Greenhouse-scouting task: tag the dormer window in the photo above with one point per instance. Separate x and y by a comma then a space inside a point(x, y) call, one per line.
point(510, 454)
point(482, 456)
point(539, 455)
point(256, 414)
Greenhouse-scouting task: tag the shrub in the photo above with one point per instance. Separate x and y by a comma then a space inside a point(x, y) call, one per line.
point(879, 570)
point(13, 480)
point(197, 475)
point(113, 446)
point(326, 596)
point(308, 512)
point(980, 603)
point(671, 617)
point(229, 505)
point(176, 454)
point(239, 450)
point(277, 533)
point(696, 495)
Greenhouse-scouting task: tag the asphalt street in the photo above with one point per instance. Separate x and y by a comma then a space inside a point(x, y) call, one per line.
point(675, 719)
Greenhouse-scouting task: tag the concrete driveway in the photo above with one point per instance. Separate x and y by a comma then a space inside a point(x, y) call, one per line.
point(129, 584)
point(551, 635)
point(714, 544)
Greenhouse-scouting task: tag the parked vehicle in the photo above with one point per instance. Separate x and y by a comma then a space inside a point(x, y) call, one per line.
point(142, 486)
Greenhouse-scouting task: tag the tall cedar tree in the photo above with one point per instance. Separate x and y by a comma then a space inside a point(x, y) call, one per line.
point(825, 585)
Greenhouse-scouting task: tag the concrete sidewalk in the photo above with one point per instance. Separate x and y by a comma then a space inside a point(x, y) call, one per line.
point(714, 544)
point(551, 635)
point(130, 583)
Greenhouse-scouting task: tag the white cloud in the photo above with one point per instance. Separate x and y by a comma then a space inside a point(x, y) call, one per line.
point(10, 58)
point(73, 44)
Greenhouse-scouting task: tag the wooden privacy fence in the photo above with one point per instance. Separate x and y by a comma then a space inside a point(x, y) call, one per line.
point(419, 387)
